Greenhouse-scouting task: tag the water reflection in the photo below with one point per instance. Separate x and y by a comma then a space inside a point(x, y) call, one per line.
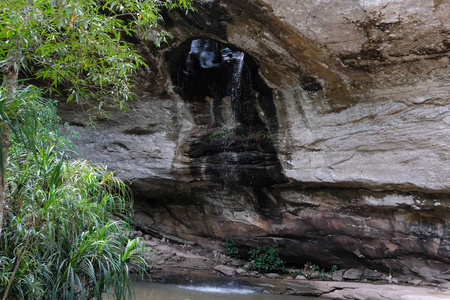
point(158, 291)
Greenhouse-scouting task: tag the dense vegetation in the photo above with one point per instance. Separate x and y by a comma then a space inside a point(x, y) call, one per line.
point(61, 239)
point(77, 48)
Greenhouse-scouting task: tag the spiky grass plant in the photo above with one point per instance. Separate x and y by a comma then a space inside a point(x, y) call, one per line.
point(60, 238)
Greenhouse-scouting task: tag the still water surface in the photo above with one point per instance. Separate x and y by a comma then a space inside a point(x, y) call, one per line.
point(159, 291)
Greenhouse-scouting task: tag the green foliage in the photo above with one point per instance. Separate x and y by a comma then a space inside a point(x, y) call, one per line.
point(32, 122)
point(231, 249)
point(60, 239)
point(333, 269)
point(35, 123)
point(266, 259)
point(77, 46)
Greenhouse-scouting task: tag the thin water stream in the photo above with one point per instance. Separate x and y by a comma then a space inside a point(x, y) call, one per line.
point(159, 291)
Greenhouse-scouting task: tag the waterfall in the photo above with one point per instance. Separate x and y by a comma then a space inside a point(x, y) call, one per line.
point(231, 144)
point(236, 82)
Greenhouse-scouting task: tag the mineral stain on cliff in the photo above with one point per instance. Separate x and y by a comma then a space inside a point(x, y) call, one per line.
point(235, 116)
point(234, 112)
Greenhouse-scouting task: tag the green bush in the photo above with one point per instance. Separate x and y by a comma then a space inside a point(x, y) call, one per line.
point(60, 239)
point(231, 249)
point(266, 259)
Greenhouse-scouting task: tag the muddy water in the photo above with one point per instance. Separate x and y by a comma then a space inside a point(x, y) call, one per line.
point(159, 291)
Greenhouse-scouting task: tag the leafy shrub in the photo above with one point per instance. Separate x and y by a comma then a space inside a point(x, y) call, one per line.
point(60, 239)
point(231, 249)
point(266, 259)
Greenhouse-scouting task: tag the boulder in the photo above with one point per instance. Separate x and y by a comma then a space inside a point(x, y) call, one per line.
point(300, 277)
point(372, 275)
point(240, 272)
point(338, 275)
point(225, 270)
point(353, 274)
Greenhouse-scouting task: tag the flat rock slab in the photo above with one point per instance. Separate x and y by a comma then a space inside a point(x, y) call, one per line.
point(273, 275)
point(366, 291)
point(229, 271)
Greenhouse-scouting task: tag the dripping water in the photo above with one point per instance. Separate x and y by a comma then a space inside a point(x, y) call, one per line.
point(223, 87)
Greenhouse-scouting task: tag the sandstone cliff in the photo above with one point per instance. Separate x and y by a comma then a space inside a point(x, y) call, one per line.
point(322, 126)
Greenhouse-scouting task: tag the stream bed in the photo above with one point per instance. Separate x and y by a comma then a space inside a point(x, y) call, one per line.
point(160, 291)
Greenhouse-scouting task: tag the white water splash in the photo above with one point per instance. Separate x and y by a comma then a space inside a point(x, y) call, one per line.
point(217, 290)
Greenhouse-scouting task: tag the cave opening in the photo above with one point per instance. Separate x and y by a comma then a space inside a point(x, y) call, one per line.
point(234, 142)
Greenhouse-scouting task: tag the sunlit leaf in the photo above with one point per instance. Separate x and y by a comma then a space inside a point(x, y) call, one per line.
point(57, 34)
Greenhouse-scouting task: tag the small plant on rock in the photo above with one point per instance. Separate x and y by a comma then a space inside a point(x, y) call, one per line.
point(333, 269)
point(266, 259)
point(231, 249)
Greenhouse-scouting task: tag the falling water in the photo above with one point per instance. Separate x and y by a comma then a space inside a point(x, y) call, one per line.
point(234, 62)
point(236, 83)
point(218, 81)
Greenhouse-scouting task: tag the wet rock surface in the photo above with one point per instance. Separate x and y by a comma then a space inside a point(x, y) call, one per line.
point(224, 92)
point(342, 155)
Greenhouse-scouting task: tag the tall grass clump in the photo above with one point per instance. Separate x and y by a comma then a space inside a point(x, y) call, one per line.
point(60, 238)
